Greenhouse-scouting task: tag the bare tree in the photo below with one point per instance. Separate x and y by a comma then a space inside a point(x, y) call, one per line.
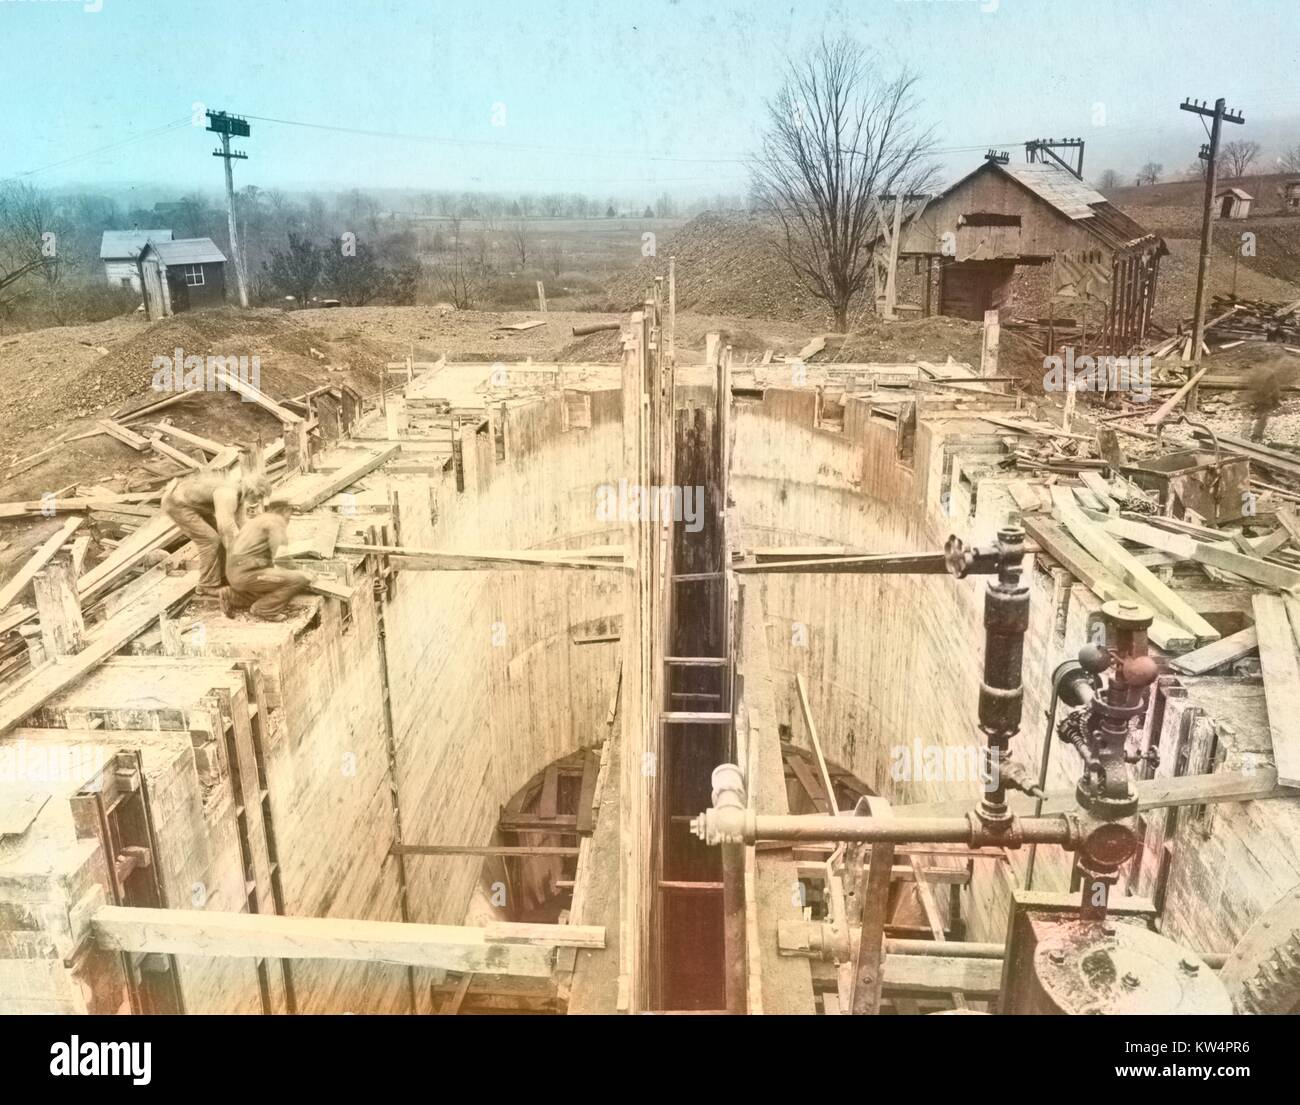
point(839, 136)
point(1239, 156)
point(1289, 162)
point(1150, 173)
point(458, 276)
point(519, 237)
point(30, 233)
point(1109, 179)
point(1197, 169)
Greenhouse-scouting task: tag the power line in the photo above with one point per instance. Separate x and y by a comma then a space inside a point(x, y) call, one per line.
point(164, 129)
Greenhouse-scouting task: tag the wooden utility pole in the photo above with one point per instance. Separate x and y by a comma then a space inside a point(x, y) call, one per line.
point(226, 125)
point(1209, 154)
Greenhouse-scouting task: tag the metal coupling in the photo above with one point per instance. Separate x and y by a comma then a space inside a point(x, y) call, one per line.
point(729, 820)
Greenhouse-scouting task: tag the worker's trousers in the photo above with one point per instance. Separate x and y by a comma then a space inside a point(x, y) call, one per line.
point(265, 592)
point(202, 530)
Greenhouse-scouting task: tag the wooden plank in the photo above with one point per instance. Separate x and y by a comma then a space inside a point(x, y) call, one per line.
point(256, 395)
point(316, 493)
point(1277, 656)
point(1223, 557)
point(1157, 417)
point(868, 975)
point(1218, 653)
point(827, 784)
point(42, 556)
point(122, 434)
point(185, 437)
point(483, 850)
point(544, 936)
point(33, 507)
point(51, 678)
point(410, 558)
point(211, 933)
point(1058, 544)
point(587, 793)
point(976, 978)
point(933, 917)
point(171, 453)
point(1115, 558)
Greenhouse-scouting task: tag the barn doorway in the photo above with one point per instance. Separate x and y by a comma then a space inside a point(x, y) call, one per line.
point(969, 288)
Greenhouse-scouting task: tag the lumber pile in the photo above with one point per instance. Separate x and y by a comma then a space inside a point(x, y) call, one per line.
point(1243, 320)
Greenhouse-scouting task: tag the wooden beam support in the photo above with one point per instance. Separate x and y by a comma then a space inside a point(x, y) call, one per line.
point(414, 559)
point(500, 949)
point(42, 556)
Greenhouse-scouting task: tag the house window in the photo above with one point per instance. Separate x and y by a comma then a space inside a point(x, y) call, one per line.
point(194, 276)
point(126, 282)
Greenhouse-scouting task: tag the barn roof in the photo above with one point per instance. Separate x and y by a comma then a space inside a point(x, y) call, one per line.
point(1067, 194)
point(188, 251)
point(123, 244)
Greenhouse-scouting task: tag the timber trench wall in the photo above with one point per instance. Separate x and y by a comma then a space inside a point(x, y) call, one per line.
point(487, 687)
point(890, 660)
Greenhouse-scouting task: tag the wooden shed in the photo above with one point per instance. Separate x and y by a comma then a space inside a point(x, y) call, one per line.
point(120, 249)
point(182, 275)
point(1291, 195)
point(970, 242)
point(1232, 203)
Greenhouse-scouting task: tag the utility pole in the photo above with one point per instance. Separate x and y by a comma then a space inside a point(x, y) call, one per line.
point(227, 125)
point(1209, 154)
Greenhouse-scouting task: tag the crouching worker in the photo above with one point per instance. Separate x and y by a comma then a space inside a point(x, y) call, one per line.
point(256, 584)
point(208, 507)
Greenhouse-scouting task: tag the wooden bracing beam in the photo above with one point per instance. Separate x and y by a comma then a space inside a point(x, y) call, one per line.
point(499, 949)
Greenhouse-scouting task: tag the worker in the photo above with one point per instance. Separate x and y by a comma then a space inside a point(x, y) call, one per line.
point(209, 508)
point(256, 584)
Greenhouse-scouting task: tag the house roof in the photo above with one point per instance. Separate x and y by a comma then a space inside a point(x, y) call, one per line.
point(1062, 189)
point(187, 251)
point(125, 244)
point(1234, 192)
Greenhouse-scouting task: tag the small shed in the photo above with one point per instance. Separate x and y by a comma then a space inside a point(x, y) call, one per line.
point(1291, 195)
point(1232, 203)
point(119, 250)
point(182, 275)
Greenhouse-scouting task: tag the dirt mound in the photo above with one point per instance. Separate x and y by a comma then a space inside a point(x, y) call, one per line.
point(726, 265)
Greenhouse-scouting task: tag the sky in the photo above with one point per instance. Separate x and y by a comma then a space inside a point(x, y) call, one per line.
point(608, 98)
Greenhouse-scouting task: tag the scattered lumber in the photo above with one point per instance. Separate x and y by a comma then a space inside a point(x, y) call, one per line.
point(523, 325)
point(1115, 558)
point(1226, 559)
point(1288, 463)
point(1277, 657)
point(122, 434)
point(52, 677)
point(163, 449)
point(1057, 543)
point(185, 437)
point(1158, 416)
point(37, 561)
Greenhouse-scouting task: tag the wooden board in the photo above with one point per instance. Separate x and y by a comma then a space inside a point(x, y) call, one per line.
point(256, 395)
point(1277, 656)
point(51, 678)
point(317, 492)
point(36, 562)
point(256, 935)
point(1217, 653)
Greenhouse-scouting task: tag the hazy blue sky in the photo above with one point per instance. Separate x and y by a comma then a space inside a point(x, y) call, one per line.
point(610, 98)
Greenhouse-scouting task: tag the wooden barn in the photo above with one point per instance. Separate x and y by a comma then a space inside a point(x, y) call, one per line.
point(182, 275)
point(971, 244)
point(1291, 195)
point(1232, 203)
point(119, 250)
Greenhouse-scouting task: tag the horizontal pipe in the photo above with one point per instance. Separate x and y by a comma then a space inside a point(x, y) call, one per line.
point(899, 830)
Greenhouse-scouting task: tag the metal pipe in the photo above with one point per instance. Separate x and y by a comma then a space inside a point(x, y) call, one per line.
point(731, 825)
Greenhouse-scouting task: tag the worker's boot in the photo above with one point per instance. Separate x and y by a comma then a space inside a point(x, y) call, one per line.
point(227, 602)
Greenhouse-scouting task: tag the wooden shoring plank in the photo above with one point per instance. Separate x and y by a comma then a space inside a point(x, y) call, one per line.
point(63, 506)
point(212, 933)
point(186, 437)
point(925, 892)
point(587, 792)
point(812, 785)
point(1217, 653)
point(172, 453)
point(317, 492)
point(42, 556)
point(1277, 657)
point(1114, 557)
point(827, 783)
point(482, 850)
point(51, 678)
